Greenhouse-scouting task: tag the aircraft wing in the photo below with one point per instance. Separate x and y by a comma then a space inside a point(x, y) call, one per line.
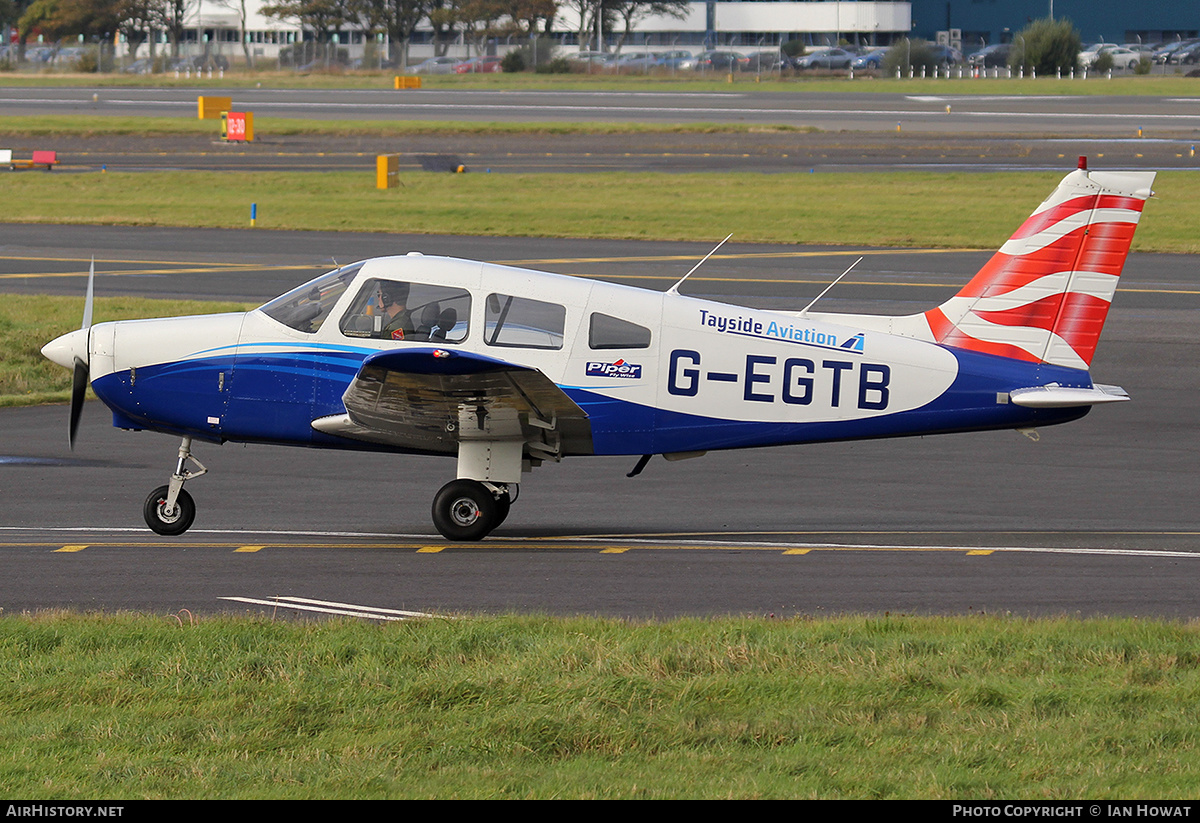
point(429, 400)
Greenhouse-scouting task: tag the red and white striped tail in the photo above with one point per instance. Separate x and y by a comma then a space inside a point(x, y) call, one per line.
point(1045, 294)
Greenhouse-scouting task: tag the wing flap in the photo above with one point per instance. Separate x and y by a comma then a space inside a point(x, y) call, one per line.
point(431, 399)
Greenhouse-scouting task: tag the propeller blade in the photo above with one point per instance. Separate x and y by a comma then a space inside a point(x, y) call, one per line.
point(79, 384)
point(80, 375)
point(87, 303)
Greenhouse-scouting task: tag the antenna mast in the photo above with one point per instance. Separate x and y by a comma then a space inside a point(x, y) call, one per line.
point(675, 289)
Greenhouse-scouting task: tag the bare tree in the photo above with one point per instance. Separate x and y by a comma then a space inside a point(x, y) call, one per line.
point(238, 7)
point(587, 11)
point(136, 20)
point(633, 12)
point(397, 19)
point(175, 16)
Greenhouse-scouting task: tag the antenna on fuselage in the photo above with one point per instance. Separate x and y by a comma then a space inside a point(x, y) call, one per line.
point(675, 289)
point(830, 286)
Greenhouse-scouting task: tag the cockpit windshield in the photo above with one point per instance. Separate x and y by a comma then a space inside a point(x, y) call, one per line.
point(306, 307)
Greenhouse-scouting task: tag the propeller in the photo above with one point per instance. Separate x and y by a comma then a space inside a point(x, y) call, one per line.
point(80, 375)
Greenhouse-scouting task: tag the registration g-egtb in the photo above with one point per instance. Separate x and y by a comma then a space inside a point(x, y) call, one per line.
point(508, 368)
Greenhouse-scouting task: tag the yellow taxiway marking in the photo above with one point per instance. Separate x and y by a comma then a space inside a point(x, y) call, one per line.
point(195, 267)
point(979, 551)
point(763, 255)
point(71, 548)
point(614, 550)
point(248, 549)
point(430, 549)
point(797, 551)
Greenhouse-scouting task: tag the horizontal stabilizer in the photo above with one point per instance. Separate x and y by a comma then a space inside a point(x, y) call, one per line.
point(1057, 397)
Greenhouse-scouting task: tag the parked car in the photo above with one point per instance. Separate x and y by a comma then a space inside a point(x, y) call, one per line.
point(487, 64)
point(672, 59)
point(767, 61)
point(1186, 55)
point(945, 56)
point(434, 65)
point(143, 66)
point(990, 57)
point(718, 61)
point(826, 58)
point(638, 61)
point(871, 60)
point(1163, 54)
point(1088, 56)
point(1122, 57)
point(592, 58)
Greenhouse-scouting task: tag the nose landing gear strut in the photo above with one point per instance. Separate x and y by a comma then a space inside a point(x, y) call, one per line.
point(169, 510)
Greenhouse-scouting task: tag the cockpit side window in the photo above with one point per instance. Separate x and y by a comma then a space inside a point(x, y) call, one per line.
point(523, 322)
point(608, 332)
point(414, 312)
point(306, 307)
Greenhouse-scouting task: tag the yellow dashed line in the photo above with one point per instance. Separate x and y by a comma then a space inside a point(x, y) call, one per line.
point(430, 549)
point(797, 551)
point(71, 548)
point(247, 549)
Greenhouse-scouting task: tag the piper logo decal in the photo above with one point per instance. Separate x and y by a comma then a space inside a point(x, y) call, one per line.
point(618, 369)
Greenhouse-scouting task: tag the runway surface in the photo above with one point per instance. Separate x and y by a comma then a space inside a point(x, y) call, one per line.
point(742, 103)
point(1098, 517)
point(853, 132)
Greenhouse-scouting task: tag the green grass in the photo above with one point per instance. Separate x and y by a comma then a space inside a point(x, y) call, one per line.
point(922, 209)
point(99, 125)
point(28, 322)
point(1156, 84)
point(529, 707)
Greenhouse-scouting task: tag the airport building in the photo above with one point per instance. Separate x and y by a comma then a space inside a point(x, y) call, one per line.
point(752, 24)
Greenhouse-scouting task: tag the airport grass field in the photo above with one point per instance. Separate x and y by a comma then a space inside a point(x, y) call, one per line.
point(1158, 83)
point(955, 210)
point(980, 707)
point(890, 706)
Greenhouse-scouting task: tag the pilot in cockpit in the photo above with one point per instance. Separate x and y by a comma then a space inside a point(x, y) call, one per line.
point(397, 318)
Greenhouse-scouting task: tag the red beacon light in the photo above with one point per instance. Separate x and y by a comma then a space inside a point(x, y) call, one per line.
point(1082, 163)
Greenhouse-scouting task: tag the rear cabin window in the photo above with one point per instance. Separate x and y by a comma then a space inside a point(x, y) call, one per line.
point(521, 322)
point(413, 312)
point(608, 332)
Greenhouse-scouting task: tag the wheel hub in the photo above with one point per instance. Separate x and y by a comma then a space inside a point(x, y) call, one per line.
point(464, 512)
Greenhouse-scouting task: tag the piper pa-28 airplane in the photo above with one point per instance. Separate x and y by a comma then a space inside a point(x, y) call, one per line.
point(509, 368)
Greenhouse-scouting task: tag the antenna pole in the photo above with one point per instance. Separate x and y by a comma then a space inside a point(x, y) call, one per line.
point(675, 289)
point(830, 286)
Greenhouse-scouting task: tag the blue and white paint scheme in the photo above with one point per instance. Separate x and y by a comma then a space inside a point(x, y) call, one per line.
point(508, 368)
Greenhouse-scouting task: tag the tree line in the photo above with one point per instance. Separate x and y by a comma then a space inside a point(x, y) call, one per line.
point(476, 20)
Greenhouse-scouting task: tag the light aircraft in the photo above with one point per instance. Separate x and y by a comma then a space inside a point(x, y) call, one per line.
point(508, 368)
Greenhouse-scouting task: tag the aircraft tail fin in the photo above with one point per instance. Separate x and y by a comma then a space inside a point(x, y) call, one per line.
point(1044, 296)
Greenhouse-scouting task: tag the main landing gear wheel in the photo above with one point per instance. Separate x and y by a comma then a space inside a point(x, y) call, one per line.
point(503, 504)
point(466, 510)
point(166, 522)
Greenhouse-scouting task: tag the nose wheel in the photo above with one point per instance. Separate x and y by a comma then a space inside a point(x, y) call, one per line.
point(170, 510)
point(467, 510)
point(169, 520)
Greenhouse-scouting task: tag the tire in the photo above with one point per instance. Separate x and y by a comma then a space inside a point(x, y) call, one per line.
point(503, 505)
point(465, 510)
point(177, 523)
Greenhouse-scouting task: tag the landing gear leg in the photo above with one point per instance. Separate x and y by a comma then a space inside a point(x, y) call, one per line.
point(169, 510)
point(470, 509)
